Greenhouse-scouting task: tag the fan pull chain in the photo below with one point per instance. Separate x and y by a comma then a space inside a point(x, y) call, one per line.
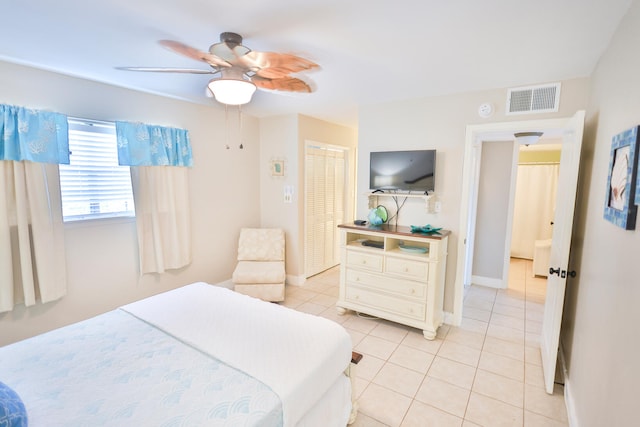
point(226, 126)
point(240, 126)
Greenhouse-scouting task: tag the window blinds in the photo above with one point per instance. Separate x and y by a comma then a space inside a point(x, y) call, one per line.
point(93, 185)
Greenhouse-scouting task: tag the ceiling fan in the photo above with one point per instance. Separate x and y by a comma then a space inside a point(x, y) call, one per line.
point(241, 69)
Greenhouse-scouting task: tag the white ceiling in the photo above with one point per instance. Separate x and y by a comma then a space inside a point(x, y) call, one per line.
point(370, 51)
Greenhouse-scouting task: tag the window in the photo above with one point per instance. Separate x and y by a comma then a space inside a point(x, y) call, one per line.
point(93, 185)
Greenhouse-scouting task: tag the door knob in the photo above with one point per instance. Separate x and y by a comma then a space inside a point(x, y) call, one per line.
point(563, 273)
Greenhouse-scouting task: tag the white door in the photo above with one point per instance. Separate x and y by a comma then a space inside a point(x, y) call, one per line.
point(324, 206)
point(560, 246)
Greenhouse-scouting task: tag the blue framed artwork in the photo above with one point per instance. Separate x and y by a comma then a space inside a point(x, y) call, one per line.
point(620, 207)
point(638, 182)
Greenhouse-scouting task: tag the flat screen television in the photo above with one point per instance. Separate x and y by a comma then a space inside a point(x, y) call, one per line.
point(402, 170)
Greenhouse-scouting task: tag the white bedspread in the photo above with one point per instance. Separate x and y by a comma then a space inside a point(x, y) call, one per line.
point(299, 356)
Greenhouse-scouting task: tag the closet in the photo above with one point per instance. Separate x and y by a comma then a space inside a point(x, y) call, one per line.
point(325, 172)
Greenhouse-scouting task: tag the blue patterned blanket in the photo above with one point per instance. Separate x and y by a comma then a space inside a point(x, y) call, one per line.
point(116, 370)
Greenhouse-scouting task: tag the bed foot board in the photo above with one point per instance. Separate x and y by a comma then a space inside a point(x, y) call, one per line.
point(351, 373)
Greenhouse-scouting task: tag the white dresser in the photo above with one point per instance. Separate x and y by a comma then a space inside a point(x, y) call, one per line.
point(391, 273)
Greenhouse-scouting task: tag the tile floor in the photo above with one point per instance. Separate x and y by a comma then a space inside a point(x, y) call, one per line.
point(487, 372)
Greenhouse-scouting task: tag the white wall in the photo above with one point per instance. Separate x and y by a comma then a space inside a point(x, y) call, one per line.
point(600, 329)
point(280, 137)
point(102, 256)
point(284, 137)
point(492, 213)
point(440, 123)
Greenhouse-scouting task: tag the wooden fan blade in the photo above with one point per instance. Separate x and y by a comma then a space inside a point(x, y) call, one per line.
point(168, 70)
point(287, 84)
point(273, 65)
point(194, 53)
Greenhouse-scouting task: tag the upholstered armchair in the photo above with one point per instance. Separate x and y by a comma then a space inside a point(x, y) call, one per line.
point(260, 271)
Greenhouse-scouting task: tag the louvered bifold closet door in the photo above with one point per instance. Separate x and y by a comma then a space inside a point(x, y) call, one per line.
point(315, 196)
point(324, 195)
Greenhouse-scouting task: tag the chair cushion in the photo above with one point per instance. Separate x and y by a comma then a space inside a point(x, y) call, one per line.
point(273, 292)
point(261, 244)
point(259, 272)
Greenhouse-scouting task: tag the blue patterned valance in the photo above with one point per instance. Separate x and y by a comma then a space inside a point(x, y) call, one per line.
point(147, 145)
point(37, 136)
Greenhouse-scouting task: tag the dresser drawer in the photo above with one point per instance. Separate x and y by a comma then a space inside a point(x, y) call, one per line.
point(416, 270)
point(387, 284)
point(387, 303)
point(367, 261)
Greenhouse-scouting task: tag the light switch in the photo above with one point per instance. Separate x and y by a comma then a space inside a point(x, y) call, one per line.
point(288, 193)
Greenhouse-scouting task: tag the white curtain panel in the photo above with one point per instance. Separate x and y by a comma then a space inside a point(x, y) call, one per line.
point(534, 207)
point(32, 255)
point(163, 217)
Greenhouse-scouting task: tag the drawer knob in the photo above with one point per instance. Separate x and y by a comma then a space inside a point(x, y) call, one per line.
point(364, 261)
point(413, 291)
point(406, 269)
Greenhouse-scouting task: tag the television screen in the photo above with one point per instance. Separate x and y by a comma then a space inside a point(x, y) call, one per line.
point(402, 170)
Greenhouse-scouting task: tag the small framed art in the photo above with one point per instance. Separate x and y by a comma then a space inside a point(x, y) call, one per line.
point(620, 207)
point(638, 182)
point(277, 168)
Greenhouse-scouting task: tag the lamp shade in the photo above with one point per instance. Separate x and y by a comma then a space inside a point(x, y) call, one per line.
point(527, 138)
point(232, 91)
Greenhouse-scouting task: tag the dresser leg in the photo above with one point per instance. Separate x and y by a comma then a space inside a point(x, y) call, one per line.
point(341, 311)
point(430, 335)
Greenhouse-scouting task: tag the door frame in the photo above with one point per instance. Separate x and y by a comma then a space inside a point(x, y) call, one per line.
point(474, 137)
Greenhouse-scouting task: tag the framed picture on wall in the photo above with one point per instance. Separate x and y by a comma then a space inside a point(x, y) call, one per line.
point(638, 181)
point(277, 168)
point(620, 204)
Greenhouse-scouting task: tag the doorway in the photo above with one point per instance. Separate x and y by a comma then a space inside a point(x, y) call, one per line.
point(570, 130)
point(477, 136)
point(534, 204)
point(514, 207)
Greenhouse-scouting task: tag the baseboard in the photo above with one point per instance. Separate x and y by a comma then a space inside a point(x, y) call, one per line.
point(489, 282)
point(568, 395)
point(568, 401)
point(295, 280)
point(449, 319)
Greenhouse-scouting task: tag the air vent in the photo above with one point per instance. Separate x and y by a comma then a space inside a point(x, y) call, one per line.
point(533, 99)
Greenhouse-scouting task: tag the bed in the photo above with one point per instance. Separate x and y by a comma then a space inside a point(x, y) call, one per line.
point(194, 356)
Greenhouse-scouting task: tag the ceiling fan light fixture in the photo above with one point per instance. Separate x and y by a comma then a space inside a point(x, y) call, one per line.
point(232, 91)
point(527, 138)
